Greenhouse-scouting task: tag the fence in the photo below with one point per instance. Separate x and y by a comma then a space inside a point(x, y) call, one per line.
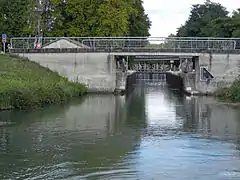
point(135, 42)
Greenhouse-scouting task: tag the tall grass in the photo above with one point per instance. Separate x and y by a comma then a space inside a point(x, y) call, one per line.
point(231, 94)
point(25, 84)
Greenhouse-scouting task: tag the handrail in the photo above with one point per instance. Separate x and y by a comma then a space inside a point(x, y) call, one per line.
point(137, 42)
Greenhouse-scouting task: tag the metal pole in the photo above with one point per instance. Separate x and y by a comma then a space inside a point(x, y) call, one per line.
point(4, 48)
point(127, 62)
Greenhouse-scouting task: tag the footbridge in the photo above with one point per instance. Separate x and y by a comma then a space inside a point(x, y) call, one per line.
point(103, 63)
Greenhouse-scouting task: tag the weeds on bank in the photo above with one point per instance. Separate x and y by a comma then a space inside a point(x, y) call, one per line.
point(231, 94)
point(25, 84)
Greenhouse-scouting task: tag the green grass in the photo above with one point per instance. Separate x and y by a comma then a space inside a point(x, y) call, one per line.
point(231, 94)
point(25, 84)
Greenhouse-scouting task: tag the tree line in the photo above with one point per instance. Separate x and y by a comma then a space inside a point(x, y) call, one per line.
point(211, 20)
point(25, 18)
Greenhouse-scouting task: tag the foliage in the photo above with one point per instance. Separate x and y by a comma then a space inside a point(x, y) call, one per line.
point(210, 20)
point(25, 84)
point(231, 94)
point(109, 26)
point(139, 22)
point(17, 18)
point(74, 18)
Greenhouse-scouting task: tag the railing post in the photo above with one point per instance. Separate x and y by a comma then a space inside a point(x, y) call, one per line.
point(191, 45)
point(208, 43)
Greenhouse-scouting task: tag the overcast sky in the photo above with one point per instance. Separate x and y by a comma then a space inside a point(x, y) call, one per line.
point(168, 15)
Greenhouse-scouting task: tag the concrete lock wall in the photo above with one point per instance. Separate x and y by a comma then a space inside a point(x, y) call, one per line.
point(224, 67)
point(96, 70)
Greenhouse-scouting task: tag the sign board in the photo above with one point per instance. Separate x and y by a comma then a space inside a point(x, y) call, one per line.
point(4, 38)
point(205, 75)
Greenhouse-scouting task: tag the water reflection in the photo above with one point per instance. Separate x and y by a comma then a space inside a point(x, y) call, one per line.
point(152, 133)
point(89, 133)
point(210, 118)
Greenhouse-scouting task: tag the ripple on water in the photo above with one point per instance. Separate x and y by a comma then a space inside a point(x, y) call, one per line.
point(155, 136)
point(229, 174)
point(113, 174)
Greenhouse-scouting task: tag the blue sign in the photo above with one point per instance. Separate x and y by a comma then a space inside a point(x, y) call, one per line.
point(4, 36)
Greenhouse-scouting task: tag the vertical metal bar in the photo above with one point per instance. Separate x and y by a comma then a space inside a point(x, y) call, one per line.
point(208, 43)
point(4, 48)
point(191, 45)
point(127, 63)
point(11, 43)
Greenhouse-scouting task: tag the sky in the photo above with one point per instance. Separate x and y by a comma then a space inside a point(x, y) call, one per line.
point(168, 15)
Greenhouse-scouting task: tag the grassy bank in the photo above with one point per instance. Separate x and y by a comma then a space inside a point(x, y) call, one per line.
point(231, 94)
point(25, 84)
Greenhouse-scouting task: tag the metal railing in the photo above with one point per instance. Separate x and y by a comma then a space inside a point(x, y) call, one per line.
point(135, 42)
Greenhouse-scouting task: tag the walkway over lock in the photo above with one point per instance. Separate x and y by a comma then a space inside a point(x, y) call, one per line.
point(129, 45)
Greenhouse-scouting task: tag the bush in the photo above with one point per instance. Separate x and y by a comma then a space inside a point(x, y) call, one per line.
point(25, 84)
point(231, 94)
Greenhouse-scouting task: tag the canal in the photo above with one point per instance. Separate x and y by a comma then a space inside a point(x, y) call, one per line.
point(152, 133)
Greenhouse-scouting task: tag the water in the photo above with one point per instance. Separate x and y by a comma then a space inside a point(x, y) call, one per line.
point(151, 134)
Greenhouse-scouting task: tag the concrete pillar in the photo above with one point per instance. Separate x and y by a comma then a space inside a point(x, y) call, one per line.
point(120, 82)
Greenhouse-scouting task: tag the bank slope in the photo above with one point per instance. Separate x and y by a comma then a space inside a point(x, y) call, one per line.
point(25, 84)
point(230, 94)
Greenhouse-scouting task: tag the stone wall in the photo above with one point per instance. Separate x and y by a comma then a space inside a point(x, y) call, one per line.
point(97, 71)
point(224, 67)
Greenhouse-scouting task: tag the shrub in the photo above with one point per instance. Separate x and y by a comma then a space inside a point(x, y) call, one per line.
point(231, 94)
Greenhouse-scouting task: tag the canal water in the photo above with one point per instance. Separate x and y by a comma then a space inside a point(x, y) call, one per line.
point(152, 133)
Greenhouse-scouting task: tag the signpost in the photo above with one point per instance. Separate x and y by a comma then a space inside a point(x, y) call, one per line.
point(4, 40)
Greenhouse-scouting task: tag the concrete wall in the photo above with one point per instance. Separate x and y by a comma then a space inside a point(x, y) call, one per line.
point(96, 70)
point(189, 80)
point(224, 67)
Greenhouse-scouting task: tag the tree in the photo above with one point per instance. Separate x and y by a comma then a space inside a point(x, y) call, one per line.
point(97, 18)
point(139, 23)
point(73, 18)
point(17, 18)
point(220, 27)
point(113, 18)
point(236, 23)
point(200, 16)
point(88, 18)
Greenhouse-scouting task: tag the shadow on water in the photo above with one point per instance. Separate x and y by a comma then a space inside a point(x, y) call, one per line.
point(143, 135)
